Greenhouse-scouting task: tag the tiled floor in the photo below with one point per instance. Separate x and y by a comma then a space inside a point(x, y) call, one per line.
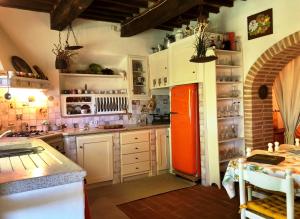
point(194, 202)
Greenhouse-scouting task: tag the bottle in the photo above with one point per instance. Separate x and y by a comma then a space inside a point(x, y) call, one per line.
point(276, 143)
point(297, 142)
point(270, 147)
point(219, 42)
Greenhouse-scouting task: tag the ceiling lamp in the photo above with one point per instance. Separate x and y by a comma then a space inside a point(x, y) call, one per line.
point(202, 41)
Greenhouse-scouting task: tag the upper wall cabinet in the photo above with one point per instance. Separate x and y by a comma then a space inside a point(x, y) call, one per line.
point(138, 76)
point(182, 71)
point(159, 69)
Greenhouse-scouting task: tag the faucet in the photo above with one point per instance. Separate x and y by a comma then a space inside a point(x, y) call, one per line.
point(5, 133)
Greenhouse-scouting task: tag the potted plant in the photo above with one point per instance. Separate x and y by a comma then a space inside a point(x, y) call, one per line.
point(201, 44)
point(63, 57)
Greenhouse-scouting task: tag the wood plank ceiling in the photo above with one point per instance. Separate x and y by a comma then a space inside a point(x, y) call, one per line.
point(135, 16)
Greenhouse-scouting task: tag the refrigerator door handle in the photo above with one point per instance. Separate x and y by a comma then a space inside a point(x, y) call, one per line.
point(174, 113)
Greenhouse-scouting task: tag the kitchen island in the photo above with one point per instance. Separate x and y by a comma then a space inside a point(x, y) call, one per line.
point(42, 185)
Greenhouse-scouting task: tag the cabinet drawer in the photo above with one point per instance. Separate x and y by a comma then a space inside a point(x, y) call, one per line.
point(134, 148)
point(135, 168)
point(133, 158)
point(133, 137)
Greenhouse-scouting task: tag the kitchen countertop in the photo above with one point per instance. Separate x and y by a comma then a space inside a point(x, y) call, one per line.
point(52, 170)
point(75, 132)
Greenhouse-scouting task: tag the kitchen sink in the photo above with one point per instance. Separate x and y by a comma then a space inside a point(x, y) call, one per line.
point(20, 151)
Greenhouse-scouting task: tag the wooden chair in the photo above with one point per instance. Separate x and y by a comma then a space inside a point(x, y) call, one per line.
point(273, 206)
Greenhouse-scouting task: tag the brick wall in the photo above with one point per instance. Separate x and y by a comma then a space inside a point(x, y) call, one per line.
point(258, 113)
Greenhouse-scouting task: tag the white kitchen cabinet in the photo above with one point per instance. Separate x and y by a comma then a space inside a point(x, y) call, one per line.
point(95, 155)
point(182, 71)
point(162, 149)
point(159, 69)
point(138, 76)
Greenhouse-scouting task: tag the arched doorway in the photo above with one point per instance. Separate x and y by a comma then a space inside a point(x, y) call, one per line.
point(258, 112)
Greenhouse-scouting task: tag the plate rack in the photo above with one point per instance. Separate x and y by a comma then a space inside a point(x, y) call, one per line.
point(73, 105)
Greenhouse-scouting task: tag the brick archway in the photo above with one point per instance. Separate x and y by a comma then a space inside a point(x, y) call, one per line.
point(258, 113)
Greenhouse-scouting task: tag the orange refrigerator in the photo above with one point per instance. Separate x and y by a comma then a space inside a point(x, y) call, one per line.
point(185, 131)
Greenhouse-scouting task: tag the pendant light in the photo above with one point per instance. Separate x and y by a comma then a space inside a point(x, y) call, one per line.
point(75, 47)
point(202, 40)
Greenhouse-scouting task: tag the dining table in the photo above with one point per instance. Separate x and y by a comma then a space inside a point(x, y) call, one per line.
point(291, 154)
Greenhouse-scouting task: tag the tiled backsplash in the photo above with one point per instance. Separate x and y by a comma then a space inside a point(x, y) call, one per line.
point(44, 108)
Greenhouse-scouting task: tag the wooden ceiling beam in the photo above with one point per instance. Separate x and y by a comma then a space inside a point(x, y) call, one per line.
point(219, 3)
point(100, 18)
point(156, 15)
point(113, 7)
point(33, 5)
point(65, 11)
point(128, 3)
point(107, 13)
point(104, 15)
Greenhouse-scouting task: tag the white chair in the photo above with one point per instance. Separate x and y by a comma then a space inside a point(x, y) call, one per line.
point(272, 206)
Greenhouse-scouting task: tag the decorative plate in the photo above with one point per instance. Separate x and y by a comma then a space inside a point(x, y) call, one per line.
point(20, 65)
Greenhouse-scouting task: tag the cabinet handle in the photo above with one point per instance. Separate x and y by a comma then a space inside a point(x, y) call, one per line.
point(194, 72)
point(136, 168)
point(80, 147)
point(166, 68)
point(136, 148)
point(136, 158)
point(136, 138)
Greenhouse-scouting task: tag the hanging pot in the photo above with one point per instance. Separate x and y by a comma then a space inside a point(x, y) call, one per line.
point(60, 63)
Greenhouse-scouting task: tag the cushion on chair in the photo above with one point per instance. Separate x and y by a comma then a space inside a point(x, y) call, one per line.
point(273, 206)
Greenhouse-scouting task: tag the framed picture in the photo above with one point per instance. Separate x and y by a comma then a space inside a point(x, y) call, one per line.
point(260, 24)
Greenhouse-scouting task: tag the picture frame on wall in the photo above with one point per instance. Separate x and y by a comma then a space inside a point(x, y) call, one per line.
point(260, 24)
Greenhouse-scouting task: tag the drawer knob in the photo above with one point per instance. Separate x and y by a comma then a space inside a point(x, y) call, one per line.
point(136, 148)
point(136, 138)
point(136, 158)
point(80, 147)
point(136, 168)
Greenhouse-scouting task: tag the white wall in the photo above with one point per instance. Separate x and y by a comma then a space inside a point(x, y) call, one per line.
point(7, 49)
point(30, 31)
point(286, 18)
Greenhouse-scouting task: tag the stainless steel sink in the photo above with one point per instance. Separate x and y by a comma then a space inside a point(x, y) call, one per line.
point(20, 151)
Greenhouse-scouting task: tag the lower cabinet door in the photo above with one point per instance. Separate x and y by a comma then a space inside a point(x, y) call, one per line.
point(162, 145)
point(95, 155)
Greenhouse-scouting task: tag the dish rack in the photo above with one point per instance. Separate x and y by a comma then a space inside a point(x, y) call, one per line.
point(93, 104)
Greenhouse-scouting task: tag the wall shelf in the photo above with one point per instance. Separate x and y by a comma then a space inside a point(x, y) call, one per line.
point(229, 117)
point(228, 66)
point(229, 52)
point(228, 98)
point(231, 140)
point(228, 82)
point(89, 75)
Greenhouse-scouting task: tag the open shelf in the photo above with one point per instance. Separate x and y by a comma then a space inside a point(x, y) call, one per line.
point(231, 140)
point(228, 98)
point(89, 75)
point(221, 51)
point(80, 103)
point(229, 82)
point(229, 117)
point(228, 66)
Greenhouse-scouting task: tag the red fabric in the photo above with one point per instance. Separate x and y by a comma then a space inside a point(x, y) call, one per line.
point(87, 214)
